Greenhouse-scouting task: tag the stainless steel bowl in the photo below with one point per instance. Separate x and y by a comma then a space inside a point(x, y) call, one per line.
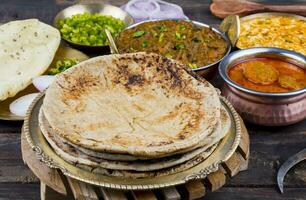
point(271, 109)
point(207, 71)
point(101, 8)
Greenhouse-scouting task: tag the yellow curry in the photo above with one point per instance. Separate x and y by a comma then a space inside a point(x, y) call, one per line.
point(285, 32)
point(268, 75)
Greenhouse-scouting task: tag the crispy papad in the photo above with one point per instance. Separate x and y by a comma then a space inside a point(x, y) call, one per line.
point(139, 104)
point(27, 48)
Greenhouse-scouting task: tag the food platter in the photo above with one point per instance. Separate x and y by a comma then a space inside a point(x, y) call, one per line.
point(45, 153)
point(143, 117)
point(62, 52)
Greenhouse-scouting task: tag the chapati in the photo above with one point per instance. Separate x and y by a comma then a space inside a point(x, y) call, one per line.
point(138, 104)
point(212, 138)
point(163, 172)
point(73, 155)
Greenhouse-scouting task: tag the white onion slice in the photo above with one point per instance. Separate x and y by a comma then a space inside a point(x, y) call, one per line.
point(20, 106)
point(153, 9)
point(42, 82)
point(170, 10)
point(133, 8)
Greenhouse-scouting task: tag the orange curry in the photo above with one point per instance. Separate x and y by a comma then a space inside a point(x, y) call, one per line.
point(268, 75)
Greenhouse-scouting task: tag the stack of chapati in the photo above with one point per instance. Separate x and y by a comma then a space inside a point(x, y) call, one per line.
point(132, 115)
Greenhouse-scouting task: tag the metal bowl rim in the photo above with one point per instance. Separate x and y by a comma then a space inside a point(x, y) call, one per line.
point(229, 48)
point(56, 19)
point(269, 14)
point(225, 64)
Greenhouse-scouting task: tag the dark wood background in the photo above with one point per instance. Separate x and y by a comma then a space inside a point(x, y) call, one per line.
point(270, 147)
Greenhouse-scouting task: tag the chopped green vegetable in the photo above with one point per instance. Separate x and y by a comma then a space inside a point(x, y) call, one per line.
point(138, 34)
point(161, 37)
point(62, 65)
point(192, 65)
point(168, 55)
point(89, 29)
point(178, 35)
point(154, 34)
point(182, 27)
point(179, 46)
point(145, 44)
point(162, 28)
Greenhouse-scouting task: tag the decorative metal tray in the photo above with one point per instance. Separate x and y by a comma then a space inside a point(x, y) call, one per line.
point(45, 153)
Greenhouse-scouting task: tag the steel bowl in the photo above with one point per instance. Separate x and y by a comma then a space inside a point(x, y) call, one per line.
point(207, 71)
point(101, 8)
point(270, 109)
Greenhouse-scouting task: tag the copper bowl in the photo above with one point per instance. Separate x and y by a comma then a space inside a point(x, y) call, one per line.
point(269, 109)
point(207, 71)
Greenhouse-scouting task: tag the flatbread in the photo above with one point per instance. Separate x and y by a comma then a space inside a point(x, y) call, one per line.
point(212, 138)
point(27, 48)
point(73, 155)
point(139, 104)
point(163, 172)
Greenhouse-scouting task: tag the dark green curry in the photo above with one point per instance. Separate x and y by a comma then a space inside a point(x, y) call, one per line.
point(176, 39)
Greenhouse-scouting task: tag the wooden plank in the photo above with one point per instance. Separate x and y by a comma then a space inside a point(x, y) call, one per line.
point(195, 189)
point(170, 193)
point(109, 194)
point(47, 193)
point(49, 176)
point(270, 147)
point(143, 195)
point(215, 180)
point(15, 191)
point(9, 127)
point(244, 164)
point(232, 165)
point(242, 193)
point(10, 146)
point(81, 190)
point(16, 173)
point(244, 144)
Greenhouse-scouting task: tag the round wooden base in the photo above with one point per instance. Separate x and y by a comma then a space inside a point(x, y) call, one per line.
point(54, 185)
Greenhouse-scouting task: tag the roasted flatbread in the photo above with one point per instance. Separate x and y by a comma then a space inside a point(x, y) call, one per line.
point(27, 48)
point(138, 104)
point(212, 138)
point(73, 155)
point(142, 174)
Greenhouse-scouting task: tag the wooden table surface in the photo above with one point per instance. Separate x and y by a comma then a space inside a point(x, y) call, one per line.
point(270, 147)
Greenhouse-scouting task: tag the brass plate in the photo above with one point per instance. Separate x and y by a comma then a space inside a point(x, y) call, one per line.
point(62, 52)
point(45, 153)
